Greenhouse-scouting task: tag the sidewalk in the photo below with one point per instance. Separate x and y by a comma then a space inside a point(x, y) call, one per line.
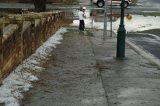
point(84, 71)
point(133, 81)
point(71, 78)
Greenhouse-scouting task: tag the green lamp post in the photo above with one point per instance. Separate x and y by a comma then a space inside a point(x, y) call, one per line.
point(121, 35)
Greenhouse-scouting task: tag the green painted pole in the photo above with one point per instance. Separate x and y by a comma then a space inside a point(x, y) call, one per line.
point(121, 35)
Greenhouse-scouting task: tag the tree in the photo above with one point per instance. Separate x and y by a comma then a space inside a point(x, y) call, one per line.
point(40, 5)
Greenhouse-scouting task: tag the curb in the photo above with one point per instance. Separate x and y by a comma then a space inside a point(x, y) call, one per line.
point(145, 54)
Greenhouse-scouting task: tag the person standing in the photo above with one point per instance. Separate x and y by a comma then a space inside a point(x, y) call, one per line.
point(81, 15)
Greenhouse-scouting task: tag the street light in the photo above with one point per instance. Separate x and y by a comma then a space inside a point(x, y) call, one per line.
point(121, 35)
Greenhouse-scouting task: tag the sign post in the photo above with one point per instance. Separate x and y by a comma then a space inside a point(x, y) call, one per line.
point(105, 20)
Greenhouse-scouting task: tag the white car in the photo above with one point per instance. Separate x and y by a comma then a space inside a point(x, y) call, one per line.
point(100, 3)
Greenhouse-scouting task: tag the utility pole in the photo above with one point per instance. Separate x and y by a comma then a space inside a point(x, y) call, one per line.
point(111, 19)
point(91, 3)
point(121, 35)
point(105, 20)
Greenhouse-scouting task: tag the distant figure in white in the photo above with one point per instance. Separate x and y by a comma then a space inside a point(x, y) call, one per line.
point(81, 15)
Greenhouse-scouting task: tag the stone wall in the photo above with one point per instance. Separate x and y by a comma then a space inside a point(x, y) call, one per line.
point(22, 34)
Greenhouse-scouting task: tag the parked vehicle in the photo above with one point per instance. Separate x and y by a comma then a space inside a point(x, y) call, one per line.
point(100, 3)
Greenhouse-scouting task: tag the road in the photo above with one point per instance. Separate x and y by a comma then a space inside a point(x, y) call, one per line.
point(148, 39)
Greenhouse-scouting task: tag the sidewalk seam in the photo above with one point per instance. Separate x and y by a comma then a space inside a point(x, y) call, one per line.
point(106, 94)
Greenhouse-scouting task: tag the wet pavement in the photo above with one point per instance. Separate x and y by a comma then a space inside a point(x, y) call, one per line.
point(133, 81)
point(149, 40)
point(84, 71)
point(71, 78)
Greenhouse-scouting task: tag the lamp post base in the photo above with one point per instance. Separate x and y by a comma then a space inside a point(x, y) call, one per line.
point(121, 42)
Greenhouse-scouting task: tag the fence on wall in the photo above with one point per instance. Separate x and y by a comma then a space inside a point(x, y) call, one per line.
point(22, 34)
